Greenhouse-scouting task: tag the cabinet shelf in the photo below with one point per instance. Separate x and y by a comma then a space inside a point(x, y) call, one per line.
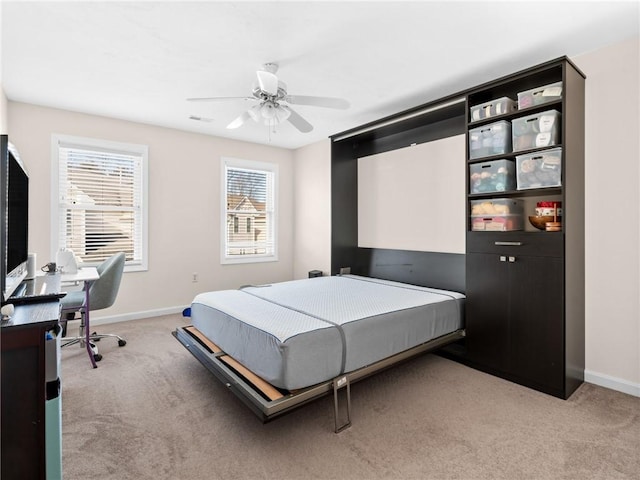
point(531, 192)
point(554, 105)
point(510, 331)
point(512, 155)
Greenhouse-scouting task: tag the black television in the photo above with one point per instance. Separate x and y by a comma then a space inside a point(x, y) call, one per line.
point(14, 229)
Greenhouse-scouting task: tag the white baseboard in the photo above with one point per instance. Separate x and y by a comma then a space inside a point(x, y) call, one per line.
point(136, 315)
point(612, 383)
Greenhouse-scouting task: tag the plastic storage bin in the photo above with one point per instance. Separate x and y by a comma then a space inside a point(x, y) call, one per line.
point(540, 95)
point(494, 176)
point(540, 169)
point(497, 206)
point(497, 215)
point(491, 139)
point(536, 131)
point(497, 223)
point(499, 106)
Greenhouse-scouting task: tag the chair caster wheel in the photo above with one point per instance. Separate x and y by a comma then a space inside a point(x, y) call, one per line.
point(97, 357)
point(122, 343)
point(95, 339)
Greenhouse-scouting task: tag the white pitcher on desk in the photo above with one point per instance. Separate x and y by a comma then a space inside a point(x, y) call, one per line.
point(66, 261)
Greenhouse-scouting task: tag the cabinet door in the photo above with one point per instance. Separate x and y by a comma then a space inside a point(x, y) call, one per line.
point(487, 315)
point(22, 405)
point(536, 287)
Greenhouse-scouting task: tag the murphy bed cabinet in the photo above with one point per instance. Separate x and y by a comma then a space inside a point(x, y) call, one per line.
point(524, 286)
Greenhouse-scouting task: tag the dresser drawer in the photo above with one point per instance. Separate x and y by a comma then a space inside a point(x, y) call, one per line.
point(543, 244)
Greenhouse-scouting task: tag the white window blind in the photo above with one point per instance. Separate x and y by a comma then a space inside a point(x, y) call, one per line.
point(249, 211)
point(101, 206)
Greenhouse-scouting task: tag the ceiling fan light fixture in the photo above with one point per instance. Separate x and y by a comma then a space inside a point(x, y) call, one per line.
point(254, 113)
point(268, 110)
point(282, 113)
point(272, 107)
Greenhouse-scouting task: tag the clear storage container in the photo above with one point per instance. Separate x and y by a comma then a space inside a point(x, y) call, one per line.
point(491, 139)
point(540, 169)
point(496, 223)
point(499, 106)
point(540, 95)
point(536, 131)
point(494, 176)
point(497, 206)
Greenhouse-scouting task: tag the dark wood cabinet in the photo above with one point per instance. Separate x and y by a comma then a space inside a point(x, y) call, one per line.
point(524, 318)
point(23, 390)
point(525, 288)
point(516, 309)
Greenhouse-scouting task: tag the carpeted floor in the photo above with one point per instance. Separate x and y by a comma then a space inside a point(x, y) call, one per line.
point(152, 411)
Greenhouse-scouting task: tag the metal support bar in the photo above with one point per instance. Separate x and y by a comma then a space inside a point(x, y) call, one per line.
point(338, 384)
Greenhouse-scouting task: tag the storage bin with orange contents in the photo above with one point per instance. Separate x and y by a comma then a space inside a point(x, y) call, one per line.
point(497, 215)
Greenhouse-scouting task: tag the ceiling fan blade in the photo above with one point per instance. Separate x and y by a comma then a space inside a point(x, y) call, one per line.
point(238, 122)
point(328, 102)
point(215, 99)
point(297, 121)
point(268, 82)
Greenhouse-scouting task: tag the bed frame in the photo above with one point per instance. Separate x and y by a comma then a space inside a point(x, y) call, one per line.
point(269, 402)
point(440, 119)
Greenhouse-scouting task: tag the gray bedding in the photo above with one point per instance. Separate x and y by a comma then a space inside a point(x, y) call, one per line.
point(303, 332)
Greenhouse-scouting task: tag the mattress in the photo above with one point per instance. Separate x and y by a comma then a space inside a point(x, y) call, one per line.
point(303, 332)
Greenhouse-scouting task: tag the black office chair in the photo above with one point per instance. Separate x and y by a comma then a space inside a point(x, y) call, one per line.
point(102, 294)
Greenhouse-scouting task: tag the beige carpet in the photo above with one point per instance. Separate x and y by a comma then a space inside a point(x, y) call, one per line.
point(152, 411)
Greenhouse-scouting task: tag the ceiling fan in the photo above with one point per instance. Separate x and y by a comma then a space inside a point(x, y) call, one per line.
point(272, 102)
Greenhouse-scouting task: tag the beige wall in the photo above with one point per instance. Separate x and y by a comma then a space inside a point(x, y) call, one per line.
point(612, 205)
point(184, 205)
point(412, 198)
point(3, 112)
point(312, 213)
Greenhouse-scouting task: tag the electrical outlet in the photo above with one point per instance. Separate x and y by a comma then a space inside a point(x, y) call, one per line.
point(194, 278)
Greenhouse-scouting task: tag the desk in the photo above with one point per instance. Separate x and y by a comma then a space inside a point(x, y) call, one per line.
point(85, 275)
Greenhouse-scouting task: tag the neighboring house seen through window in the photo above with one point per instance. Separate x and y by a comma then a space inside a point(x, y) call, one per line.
point(100, 200)
point(248, 200)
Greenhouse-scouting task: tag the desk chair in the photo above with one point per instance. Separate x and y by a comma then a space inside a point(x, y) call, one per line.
point(102, 294)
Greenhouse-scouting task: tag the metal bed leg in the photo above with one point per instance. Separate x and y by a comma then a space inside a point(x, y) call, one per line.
point(338, 384)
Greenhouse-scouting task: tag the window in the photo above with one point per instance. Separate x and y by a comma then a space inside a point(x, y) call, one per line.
point(248, 198)
point(99, 202)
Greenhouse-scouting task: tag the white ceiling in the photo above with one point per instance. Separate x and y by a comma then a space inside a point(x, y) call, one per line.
point(140, 61)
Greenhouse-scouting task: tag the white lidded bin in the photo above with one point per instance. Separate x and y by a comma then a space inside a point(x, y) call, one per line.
point(499, 106)
point(540, 95)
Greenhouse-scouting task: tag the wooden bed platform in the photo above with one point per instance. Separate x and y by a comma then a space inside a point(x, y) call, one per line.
point(269, 402)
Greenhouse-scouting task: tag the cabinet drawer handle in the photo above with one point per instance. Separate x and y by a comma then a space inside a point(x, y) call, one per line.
point(510, 244)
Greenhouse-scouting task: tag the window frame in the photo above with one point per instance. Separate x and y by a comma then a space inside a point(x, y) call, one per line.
point(58, 140)
point(249, 165)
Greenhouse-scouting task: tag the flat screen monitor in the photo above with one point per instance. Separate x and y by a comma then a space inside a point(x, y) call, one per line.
point(15, 220)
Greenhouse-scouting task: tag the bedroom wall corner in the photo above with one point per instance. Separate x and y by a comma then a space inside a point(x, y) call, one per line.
point(612, 198)
point(312, 209)
point(184, 206)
